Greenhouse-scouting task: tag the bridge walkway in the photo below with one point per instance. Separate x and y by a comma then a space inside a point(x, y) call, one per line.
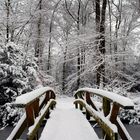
point(67, 123)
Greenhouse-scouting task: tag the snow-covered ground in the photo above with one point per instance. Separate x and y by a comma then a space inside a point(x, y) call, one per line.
point(67, 123)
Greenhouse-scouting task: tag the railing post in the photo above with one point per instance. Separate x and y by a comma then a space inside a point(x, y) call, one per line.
point(52, 97)
point(36, 107)
point(76, 105)
point(89, 101)
point(81, 107)
point(106, 110)
point(114, 112)
point(88, 98)
point(106, 106)
point(30, 115)
point(47, 97)
point(87, 115)
point(48, 114)
point(113, 119)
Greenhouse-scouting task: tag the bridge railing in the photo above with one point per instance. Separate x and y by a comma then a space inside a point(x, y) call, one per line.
point(111, 103)
point(37, 106)
point(109, 128)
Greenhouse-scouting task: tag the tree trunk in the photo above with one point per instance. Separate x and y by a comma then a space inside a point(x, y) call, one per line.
point(100, 27)
point(39, 45)
point(64, 71)
point(78, 53)
point(8, 3)
point(97, 18)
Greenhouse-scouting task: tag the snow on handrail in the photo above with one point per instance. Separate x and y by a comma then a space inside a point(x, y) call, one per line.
point(31, 96)
point(121, 100)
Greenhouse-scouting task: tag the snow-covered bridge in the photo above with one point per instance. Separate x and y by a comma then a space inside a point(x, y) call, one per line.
point(64, 122)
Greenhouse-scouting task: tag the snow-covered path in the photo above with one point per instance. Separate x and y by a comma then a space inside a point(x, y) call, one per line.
point(67, 123)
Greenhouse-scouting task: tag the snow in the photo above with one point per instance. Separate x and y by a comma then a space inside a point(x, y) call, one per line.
point(136, 100)
point(30, 96)
point(17, 127)
point(123, 101)
point(67, 123)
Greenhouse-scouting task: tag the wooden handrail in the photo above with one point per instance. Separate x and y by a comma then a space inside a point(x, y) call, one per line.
point(33, 105)
point(108, 99)
point(109, 128)
point(28, 98)
point(124, 102)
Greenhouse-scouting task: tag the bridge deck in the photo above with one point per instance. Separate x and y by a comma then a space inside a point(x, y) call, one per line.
point(67, 123)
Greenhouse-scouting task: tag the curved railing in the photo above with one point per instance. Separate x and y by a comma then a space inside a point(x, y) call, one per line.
point(37, 106)
point(109, 128)
point(111, 103)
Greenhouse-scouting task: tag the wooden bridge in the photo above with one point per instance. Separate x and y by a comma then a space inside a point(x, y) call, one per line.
point(68, 119)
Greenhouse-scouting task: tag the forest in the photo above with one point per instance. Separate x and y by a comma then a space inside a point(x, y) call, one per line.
point(68, 44)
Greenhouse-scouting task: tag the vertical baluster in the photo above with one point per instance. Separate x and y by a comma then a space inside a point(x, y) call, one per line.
point(113, 119)
point(47, 97)
point(106, 106)
point(76, 105)
point(88, 98)
point(29, 114)
point(52, 96)
point(48, 114)
point(36, 107)
point(87, 115)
